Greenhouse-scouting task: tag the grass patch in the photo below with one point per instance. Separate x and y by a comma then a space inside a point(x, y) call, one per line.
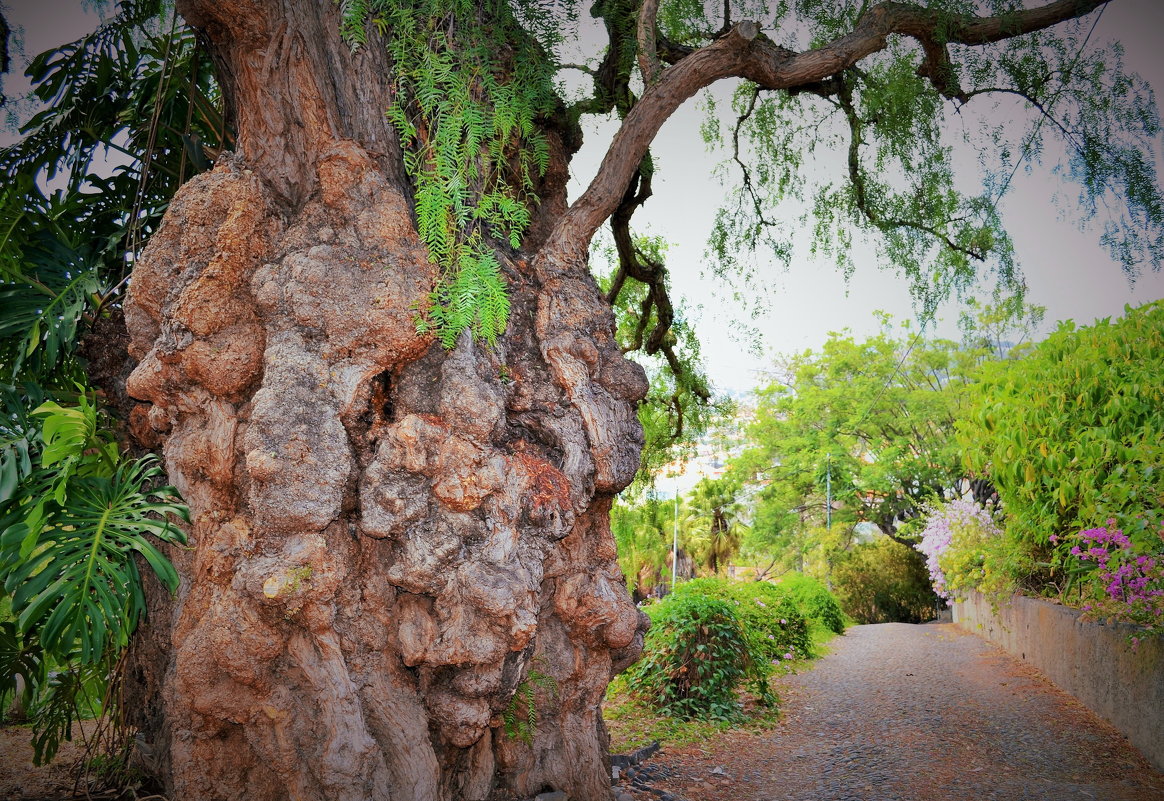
point(820, 636)
point(633, 722)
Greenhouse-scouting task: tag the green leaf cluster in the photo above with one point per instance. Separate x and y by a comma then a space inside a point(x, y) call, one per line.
point(814, 600)
point(1072, 434)
point(873, 419)
point(713, 635)
point(138, 86)
point(470, 84)
point(891, 133)
point(694, 656)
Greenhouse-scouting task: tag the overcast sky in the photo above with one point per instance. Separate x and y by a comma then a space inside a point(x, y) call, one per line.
point(1066, 270)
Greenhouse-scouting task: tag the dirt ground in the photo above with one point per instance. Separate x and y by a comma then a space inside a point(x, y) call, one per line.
point(912, 713)
point(21, 780)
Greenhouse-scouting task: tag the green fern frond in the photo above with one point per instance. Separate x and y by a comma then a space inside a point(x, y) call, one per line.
point(470, 85)
point(353, 18)
point(520, 716)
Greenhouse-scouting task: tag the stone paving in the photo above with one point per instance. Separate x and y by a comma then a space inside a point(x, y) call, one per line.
point(913, 713)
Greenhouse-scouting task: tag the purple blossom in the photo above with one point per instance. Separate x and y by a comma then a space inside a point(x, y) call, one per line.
point(938, 534)
point(1134, 582)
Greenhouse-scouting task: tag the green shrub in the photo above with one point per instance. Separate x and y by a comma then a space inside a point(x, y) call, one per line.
point(1072, 436)
point(884, 582)
point(814, 600)
point(694, 657)
point(772, 622)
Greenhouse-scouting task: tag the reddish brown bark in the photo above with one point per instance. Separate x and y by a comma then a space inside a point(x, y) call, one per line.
point(386, 535)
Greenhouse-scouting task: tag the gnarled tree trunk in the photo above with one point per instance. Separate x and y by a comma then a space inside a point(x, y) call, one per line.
point(387, 536)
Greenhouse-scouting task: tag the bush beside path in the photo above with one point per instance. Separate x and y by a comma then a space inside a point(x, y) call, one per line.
point(899, 712)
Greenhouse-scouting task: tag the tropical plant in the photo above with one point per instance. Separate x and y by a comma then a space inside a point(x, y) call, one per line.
point(75, 513)
point(70, 530)
point(712, 524)
point(643, 532)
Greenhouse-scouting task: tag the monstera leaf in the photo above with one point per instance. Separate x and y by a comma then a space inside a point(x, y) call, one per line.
point(19, 657)
point(79, 589)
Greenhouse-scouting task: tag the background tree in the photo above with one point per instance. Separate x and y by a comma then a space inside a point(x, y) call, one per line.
point(643, 532)
point(712, 524)
point(884, 582)
point(874, 420)
point(390, 524)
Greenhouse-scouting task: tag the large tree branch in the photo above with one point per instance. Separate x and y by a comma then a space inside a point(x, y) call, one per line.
point(648, 55)
point(743, 53)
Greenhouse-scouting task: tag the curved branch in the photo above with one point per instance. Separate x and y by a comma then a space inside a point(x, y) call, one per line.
point(857, 179)
point(749, 187)
point(743, 53)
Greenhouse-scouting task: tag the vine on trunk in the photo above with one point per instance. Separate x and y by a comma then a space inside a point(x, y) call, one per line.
point(470, 83)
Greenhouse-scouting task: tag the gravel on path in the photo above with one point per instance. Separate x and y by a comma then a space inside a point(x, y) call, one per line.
point(899, 712)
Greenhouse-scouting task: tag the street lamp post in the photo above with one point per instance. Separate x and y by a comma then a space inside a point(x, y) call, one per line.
point(675, 540)
point(829, 491)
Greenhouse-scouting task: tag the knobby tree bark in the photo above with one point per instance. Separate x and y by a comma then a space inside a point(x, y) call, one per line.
point(387, 536)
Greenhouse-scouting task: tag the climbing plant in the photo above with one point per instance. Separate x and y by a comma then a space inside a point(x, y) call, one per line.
point(469, 85)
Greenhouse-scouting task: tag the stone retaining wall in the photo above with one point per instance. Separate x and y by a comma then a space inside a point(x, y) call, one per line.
point(1092, 661)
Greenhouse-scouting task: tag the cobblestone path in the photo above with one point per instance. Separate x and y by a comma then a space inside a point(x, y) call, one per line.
point(917, 713)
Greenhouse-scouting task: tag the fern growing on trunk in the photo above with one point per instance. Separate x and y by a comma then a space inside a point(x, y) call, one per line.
point(469, 85)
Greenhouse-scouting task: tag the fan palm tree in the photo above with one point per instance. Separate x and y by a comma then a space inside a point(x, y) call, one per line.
point(712, 524)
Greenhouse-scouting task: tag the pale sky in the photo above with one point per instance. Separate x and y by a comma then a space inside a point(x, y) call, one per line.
point(1066, 270)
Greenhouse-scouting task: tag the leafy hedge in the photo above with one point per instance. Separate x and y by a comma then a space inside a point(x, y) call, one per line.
point(772, 621)
point(712, 635)
point(814, 600)
point(694, 657)
point(1072, 436)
